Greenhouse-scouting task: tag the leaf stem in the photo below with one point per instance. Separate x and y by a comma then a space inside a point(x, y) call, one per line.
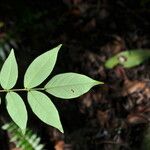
point(20, 90)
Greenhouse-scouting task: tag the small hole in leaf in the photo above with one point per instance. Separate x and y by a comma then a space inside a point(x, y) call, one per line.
point(122, 59)
point(72, 90)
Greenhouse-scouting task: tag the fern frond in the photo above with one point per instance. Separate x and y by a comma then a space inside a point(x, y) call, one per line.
point(27, 141)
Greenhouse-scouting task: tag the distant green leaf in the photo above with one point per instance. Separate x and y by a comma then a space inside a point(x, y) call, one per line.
point(70, 85)
point(9, 72)
point(44, 109)
point(128, 59)
point(17, 109)
point(27, 141)
point(40, 68)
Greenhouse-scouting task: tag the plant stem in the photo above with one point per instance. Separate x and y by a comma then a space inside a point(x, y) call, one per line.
point(20, 90)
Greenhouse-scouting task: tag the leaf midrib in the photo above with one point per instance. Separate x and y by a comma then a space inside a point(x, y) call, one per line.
point(94, 83)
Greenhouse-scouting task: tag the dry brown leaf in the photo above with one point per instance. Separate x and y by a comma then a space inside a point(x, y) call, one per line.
point(59, 145)
point(134, 119)
point(132, 86)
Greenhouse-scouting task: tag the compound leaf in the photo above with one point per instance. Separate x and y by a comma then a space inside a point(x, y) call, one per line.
point(17, 109)
point(9, 72)
point(128, 59)
point(44, 109)
point(70, 85)
point(40, 68)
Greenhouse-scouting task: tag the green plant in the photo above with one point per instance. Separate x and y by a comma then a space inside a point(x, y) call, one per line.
point(66, 86)
point(27, 141)
point(128, 59)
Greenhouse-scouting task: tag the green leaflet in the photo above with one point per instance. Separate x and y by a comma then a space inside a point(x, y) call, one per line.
point(44, 109)
point(70, 85)
point(17, 109)
point(128, 59)
point(40, 68)
point(9, 72)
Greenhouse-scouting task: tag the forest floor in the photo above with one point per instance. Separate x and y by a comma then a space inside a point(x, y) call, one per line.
point(113, 116)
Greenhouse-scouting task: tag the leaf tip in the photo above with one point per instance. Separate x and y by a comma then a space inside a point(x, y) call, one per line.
point(61, 129)
point(12, 52)
point(58, 47)
point(98, 82)
point(101, 82)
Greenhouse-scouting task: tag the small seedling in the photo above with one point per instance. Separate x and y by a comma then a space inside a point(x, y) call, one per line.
point(128, 59)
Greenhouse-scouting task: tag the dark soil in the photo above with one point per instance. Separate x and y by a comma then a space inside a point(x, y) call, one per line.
point(113, 116)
